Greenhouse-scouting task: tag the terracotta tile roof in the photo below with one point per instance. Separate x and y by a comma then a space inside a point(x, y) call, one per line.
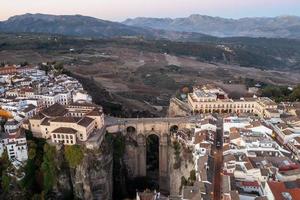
point(38, 116)
point(282, 126)
point(45, 122)
point(228, 158)
point(254, 124)
point(95, 112)
point(14, 134)
point(280, 188)
point(297, 139)
point(287, 132)
point(248, 166)
point(264, 172)
point(65, 130)
point(66, 119)
point(85, 122)
point(199, 138)
point(55, 110)
point(85, 104)
point(29, 108)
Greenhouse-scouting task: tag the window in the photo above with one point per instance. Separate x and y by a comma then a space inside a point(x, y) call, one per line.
point(54, 136)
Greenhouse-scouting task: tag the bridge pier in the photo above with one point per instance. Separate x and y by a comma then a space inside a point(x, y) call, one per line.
point(141, 156)
point(164, 178)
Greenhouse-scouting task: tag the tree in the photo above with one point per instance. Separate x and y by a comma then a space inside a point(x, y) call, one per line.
point(48, 167)
point(5, 182)
point(74, 155)
point(185, 90)
point(295, 95)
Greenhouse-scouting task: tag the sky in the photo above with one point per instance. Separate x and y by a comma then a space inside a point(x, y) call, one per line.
point(119, 10)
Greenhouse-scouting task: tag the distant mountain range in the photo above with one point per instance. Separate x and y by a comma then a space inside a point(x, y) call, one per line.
point(277, 27)
point(193, 28)
point(84, 26)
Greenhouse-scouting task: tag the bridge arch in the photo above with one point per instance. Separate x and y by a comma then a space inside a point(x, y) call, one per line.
point(130, 130)
point(153, 157)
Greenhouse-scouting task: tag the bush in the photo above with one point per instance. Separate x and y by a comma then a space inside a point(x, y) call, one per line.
point(74, 155)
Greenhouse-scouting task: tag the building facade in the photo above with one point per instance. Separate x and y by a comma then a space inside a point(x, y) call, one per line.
point(203, 100)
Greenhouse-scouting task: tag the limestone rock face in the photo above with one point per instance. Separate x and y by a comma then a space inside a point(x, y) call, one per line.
point(92, 179)
point(175, 174)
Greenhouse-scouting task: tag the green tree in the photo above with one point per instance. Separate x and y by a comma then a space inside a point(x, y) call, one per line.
point(5, 182)
point(295, 95)
point(48, 167)
point(74, 155)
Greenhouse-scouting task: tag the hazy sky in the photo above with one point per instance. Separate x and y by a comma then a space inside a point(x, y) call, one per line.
point(118, 10)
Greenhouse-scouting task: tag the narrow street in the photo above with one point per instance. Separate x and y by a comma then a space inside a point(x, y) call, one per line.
point(218, 159)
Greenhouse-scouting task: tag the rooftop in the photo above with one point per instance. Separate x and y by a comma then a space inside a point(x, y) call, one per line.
point(55, 110)
point(65, 130)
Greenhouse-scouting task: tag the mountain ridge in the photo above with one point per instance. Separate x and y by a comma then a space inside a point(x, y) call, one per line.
point(79, 25)
point(286, 26)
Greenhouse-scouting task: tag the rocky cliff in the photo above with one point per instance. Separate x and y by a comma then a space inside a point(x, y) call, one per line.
point(92, 179)
point(180, 169)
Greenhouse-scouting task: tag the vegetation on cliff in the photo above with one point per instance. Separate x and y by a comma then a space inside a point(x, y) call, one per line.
point(188, 181)
point(33, 180)
point(74, 155)
point(177, 151)
point(49, 167)
point(5, 179)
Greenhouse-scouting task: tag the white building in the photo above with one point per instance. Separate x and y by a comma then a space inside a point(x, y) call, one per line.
point(81, 96)
point(15, 144)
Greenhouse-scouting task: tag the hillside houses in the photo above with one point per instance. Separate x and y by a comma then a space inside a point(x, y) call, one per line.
point(55, 107)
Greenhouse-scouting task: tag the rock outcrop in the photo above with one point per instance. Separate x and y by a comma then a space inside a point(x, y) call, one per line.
point(92, 179)
point(176, 173)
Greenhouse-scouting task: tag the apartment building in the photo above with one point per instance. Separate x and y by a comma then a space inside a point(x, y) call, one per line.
point(14, 141)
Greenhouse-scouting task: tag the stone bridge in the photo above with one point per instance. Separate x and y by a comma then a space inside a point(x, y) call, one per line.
point(140, 129)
